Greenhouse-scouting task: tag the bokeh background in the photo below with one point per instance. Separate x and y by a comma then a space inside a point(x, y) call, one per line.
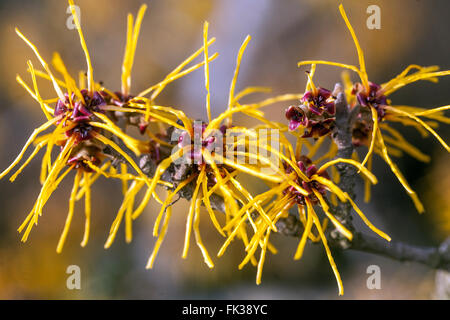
point(283, 32)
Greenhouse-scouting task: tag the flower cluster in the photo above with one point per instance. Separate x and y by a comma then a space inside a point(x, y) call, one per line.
point(191, 159)
point(316, 114)
point(376, 112)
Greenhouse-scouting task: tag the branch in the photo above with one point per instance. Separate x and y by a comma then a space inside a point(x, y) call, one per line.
point(433, 257)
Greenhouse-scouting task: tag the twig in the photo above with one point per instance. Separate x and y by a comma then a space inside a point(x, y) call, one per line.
point(434, 257)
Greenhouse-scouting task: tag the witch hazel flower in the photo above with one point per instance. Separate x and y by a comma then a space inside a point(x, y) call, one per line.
point(309, 169)
point(316, 113)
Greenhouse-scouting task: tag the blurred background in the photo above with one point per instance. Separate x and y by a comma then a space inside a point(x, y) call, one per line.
point(283, 32)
